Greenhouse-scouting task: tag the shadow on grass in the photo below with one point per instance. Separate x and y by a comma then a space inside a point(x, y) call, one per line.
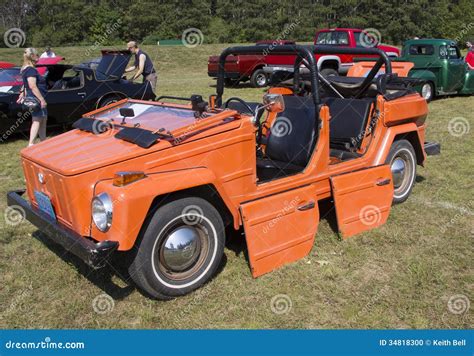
point(102, 278)
point(116, 266)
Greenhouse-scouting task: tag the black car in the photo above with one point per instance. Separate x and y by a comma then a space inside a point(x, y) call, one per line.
point(74, 90)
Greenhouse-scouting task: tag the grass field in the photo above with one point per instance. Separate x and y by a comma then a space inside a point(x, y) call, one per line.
point(401, 275)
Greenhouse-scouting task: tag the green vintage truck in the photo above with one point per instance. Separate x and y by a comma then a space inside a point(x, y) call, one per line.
point(440, 63)
point(435, 65)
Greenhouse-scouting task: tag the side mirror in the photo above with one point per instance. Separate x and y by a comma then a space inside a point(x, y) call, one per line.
point(274, 102)
point(126, 112)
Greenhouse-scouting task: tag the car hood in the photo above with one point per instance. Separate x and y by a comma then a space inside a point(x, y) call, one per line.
point(76, 151)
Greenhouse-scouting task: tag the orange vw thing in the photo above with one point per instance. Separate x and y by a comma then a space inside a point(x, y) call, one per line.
point(164, 180)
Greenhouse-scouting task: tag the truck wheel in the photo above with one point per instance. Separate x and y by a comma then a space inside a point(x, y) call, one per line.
point(329, 72)
point(259, 79)
point(402, 161)
point(180, 248)
point(427, 91)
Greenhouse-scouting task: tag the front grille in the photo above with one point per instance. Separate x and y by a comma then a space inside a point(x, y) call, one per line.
point(53, 186)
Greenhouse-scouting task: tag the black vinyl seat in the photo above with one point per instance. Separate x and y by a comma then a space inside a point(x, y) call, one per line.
point(349, 119)
point(290, 140)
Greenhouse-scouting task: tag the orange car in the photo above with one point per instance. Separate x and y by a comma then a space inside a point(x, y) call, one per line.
point(164, 180)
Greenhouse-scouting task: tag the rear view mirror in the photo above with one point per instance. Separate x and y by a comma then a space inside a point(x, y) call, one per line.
point(126, 112)
point(274, 102)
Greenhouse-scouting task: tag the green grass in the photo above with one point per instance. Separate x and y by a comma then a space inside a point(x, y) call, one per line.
point(398, 276)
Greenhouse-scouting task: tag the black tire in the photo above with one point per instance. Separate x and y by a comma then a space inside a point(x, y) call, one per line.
point(329, 72)
point(108, 100)
point(231, 83)
point(259, 79)
point(402, 161)
point(428, 91)
point(152, 267)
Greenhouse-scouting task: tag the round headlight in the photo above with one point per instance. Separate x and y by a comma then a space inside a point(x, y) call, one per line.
point(102, 211)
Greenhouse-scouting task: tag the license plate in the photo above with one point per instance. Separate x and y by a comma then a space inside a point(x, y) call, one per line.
point(44, 204)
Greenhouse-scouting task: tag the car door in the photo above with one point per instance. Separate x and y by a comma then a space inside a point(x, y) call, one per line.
point(455, 71)
point(67, 102)
point(280, 228)
point(362, 199)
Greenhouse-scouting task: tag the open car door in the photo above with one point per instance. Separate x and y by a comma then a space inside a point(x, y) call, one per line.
point(362, 199)
point(280, 228)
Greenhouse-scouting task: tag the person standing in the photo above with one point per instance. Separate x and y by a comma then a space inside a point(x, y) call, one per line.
point(143, 64)
point(48, 53)
point(34, 91)
point(470, 56)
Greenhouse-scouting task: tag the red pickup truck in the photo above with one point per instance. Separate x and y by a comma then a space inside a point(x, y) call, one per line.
point(245, 67)
point(336, 63)
point(258, 68)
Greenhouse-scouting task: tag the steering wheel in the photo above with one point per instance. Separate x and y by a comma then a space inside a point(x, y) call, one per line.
point(243, 102)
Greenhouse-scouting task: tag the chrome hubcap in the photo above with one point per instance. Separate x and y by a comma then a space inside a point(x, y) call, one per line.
point(261, 79)
point(426, 91)
point(398, 168)
point(181, 248)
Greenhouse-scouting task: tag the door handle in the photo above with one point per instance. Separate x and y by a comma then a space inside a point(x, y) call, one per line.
point(381, 182)
point(83, 94)
point(307, 206)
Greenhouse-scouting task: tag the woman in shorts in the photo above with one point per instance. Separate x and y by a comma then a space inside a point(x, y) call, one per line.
point(34, 89)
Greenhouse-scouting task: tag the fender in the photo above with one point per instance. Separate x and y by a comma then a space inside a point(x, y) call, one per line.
point(426, 75)
point(389, 137)
point(132, 202)
point(328, 58)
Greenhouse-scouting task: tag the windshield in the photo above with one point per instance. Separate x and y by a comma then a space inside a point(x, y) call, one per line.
point(10, 75)
point(152, 117)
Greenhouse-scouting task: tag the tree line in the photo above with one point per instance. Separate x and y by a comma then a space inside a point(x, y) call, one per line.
point(89, 22)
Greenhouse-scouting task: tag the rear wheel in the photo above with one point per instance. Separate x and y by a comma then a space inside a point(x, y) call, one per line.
point(427, 91)
point(180, 249)
point(108, 100)
point(259, 79)
point(402, 161)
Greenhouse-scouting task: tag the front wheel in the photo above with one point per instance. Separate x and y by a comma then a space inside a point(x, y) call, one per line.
point(402, 161)
point(427, 91)
point(180, 249)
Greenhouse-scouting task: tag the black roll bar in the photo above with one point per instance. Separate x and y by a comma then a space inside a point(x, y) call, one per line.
point(303, 52)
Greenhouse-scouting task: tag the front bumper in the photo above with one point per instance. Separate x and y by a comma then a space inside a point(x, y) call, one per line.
point(92, 253)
